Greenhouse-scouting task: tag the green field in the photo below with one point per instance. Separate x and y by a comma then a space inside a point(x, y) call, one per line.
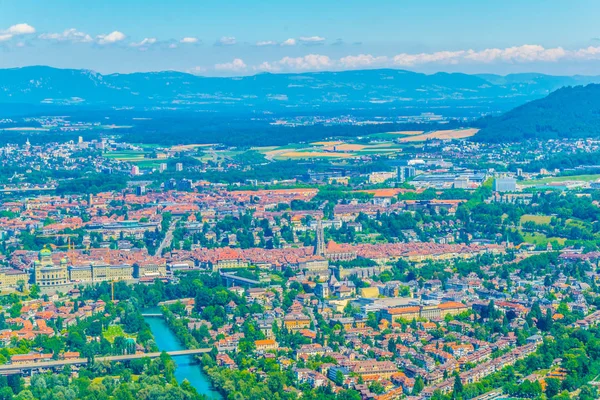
point(538, 219)
point(331, 150)
point(125, 155)
point(113, 331)
point(137, 157)
point(558, 179)
point(539, 239)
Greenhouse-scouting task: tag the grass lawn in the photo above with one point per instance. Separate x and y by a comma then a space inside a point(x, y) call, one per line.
point(113, 331)
point(575, 222)
point(295, 155)
point(149, 162)
point(539, 239)
point(136, 157)
point(538, 219)
point(125, 155)
point(555, 179)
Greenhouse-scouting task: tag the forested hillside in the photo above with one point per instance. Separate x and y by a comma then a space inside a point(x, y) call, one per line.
point(570, 112)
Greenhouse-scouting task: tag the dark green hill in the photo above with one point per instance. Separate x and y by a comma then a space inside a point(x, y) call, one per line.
point(570, 112)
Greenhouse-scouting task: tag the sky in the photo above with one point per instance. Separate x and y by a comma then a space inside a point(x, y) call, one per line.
point(245, 37)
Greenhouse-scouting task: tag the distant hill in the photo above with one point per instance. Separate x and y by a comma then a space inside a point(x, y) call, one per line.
point(570, 112)
point(367, 89)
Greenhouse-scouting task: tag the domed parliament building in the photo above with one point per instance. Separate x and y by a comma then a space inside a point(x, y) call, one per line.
point(48, 274)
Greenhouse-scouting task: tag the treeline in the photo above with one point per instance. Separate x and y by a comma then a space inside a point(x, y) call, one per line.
point(185, 128)
point(92, 183)
point(141, 379)
point(564, 161)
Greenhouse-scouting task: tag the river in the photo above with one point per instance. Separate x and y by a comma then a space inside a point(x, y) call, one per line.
point(187, 366)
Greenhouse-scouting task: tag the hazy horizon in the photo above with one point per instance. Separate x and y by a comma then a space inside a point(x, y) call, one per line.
point(209, 39)
point(255, 73)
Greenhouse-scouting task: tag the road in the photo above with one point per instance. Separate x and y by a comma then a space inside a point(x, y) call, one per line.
point(168, 237)
point(9, 369)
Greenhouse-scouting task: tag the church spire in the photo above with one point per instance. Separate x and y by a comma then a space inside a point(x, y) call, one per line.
point(320, 240)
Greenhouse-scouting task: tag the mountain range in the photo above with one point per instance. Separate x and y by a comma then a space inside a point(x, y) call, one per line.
point(365, 89)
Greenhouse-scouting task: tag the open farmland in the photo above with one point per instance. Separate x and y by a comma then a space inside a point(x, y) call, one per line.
point(451, 134)
point(329, 150)
point(408, 133)
point(130, 156)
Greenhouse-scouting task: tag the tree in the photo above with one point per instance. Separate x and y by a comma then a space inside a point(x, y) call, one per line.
point(372, 321)
point(348, 395)
point(391, 345)
point(339, 378)
point(34, 291)
point(25, 395)
point(419, 385)
point(458, 386)
point(552, 387)
point(6, 393)
point(376, 387)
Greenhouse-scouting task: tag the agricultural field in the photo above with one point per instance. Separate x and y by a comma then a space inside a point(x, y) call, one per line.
point(408, 133)
point(451, 134)
point(25, 129)
point(328, 150)
point(187, 147)
point(136, 157)
point(127, 155)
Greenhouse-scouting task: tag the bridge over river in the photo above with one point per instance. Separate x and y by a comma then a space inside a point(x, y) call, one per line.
point(21, 368)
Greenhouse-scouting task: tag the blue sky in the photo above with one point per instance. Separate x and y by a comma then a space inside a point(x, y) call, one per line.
point(234, 37)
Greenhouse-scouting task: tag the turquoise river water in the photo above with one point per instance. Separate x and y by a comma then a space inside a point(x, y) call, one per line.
point(187, 366)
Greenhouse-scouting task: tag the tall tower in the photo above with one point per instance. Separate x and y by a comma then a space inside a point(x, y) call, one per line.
point(320, 240)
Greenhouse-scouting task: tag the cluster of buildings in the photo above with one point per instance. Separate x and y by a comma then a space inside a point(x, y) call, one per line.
point(388, 338)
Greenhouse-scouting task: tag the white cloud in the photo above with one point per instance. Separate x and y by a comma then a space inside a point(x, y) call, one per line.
point(440, 57)
point(588, 53)
point(362, 61)
point(16, 30)
point(226, 41)
point(69, 35)
point(311, 40)
point(268, 67)
point(197, 70)
point(520, 54)
point(266, 43)
point(20, 29)
point(310, 62)
point(289, 42)
point(516, 54)
point(144, 43)
point(110, 38)
point(235, 66)
point(189, 40)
